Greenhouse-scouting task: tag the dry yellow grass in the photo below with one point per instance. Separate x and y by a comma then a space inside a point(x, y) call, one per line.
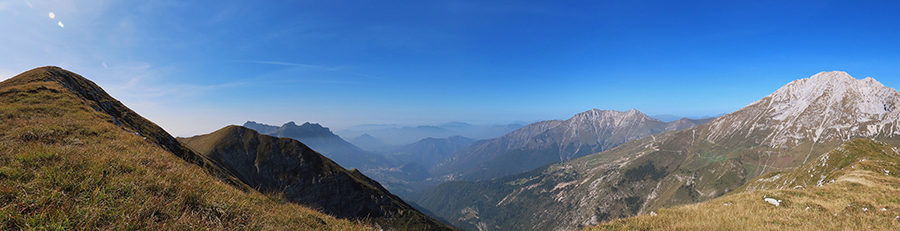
point(65, 166)
point(858, 199)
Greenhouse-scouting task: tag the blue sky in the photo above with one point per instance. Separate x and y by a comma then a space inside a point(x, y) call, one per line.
point(196, 66)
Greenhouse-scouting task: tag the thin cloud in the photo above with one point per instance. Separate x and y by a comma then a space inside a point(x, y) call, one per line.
point(314, 66)
point(295, 65)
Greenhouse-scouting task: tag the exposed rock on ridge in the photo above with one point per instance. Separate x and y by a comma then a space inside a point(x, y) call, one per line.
point(552, 141)
point(826, 106)
point(780, 132)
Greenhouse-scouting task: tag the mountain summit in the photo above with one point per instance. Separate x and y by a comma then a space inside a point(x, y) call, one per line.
point(75, 158)
point(777, 133)
point(551, 141)
point(120, 115)
point(322, 140)
point(829, 106)
point(290, 169)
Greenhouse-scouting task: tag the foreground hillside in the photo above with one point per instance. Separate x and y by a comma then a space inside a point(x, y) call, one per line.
point(298, 174)
point(854, 187)
point(72, 157)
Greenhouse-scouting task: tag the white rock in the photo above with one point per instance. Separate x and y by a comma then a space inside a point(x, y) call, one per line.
point(773, 201)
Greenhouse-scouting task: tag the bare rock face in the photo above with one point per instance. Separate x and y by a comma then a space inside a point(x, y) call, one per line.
point(552, 141)
point(778, 133)
point(825, 107)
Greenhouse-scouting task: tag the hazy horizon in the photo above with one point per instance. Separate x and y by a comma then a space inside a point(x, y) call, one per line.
point(195, 67)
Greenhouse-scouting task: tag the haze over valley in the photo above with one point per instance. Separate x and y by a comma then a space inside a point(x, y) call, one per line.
point(449, 115)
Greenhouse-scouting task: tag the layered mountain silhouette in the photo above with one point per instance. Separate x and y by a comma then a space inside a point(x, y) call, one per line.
point(92, 162)
point(324, 141)
point(779, 132)
point(370, 143)
point(396, 135)
point(76, 158)
point(552, 141)
point(289, 168)
point(260, 127)
point(431, 151)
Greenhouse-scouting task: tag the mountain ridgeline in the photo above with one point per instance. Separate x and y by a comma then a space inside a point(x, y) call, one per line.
point(431, 151)
point(818, 153)
point(324, 141)
point(74, 158)
point(551, 141)
point(852, 187)
point(287, 167)
point(397, 135)
point(779, 132)
point(403, 170)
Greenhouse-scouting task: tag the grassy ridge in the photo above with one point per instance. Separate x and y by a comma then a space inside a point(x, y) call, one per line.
point(64, 165)
point(301, 175)
point(863, 196)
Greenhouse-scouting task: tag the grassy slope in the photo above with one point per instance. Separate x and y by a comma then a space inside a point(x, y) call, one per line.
point(64, 165)
point(862, 196)
point(274, 164)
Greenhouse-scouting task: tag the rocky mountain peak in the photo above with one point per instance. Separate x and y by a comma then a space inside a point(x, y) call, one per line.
point(305, 129)
point(609, 117)
point(827, 106)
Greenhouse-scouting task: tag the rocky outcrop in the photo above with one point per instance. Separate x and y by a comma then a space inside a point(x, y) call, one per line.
point(552, 141)
point(778, 133)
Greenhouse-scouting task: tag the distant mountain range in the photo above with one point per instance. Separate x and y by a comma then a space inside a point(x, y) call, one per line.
point(290, 169)
point(552, 141)
point(396, 136)
point(322, 140)
point(818, 153)
point(846, 188)
point(670, 118)
point(779, 132)
point(431, 151)
point(370, 143)
point(76, 158)
point(402, 170)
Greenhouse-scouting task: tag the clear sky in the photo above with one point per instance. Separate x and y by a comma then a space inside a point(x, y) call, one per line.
point(196, 66)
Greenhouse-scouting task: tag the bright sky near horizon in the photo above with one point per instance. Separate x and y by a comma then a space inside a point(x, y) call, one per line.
point(196, 66)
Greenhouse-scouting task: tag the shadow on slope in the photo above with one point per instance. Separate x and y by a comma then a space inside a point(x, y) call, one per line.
point(74, 158)
point(288, 167)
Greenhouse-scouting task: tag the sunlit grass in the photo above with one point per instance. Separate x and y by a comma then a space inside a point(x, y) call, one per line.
point(64, 166)
point(858, 199)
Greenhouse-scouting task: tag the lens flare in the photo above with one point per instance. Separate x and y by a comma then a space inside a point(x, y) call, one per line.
point(52, 15)
point(60, 24)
